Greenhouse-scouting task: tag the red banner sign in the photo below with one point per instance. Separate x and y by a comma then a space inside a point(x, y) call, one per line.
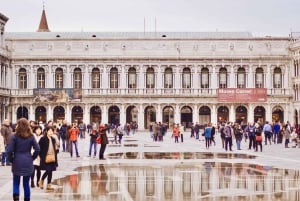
point(237, 95)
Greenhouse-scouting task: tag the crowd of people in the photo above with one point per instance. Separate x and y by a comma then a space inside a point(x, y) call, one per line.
point(32, 148)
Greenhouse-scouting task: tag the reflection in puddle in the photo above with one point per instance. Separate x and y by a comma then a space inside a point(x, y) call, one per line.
point(204, 181)
point(180, 155)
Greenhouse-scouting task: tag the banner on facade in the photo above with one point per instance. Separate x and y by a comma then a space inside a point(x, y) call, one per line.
point(57, 95)
point(238, 95)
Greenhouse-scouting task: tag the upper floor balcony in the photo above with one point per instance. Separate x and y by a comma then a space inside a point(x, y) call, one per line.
point(148, 92)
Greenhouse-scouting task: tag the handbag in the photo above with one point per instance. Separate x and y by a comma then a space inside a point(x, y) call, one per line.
point(50, 158)
point(258, 138)
point(99, 140)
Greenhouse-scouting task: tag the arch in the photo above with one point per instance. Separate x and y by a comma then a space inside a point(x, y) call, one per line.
point(277, 78)
point(223, 114)
point(222, 78)
point(77, 78)
point(259, 78)
point(59, 114)
point(149, 116)
point(77, 114)
point(277, 114)
point(59, 78)
point(40, 78)
point(204, 115)
point(150, 78)
point(260, 114)
point(168, 116)
point(241, 115)
point(95, 115)
point(132, 78)
point(114, 78)
point(22, 78)
point(114, 115)
point(95, 78)
point(22, 112)
point(131, 114)
point(186, 114)
point(168, 78)
point(241, 78)
point(204, 78)
point(41, 114)
point(186, 78)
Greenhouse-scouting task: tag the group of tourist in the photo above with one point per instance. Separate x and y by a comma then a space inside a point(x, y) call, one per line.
point(30, 147)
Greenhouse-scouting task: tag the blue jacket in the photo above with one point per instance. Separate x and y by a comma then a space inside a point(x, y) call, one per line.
point(207, 132)
point(19, 150)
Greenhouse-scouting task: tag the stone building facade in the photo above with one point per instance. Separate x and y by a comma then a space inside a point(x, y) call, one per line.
point(144, 77)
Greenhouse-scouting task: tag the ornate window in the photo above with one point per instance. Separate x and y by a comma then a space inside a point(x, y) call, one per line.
point(204, 78)
point(168, 78)
point(277, 81)
point(77, 78)
point(22, 79)
point(95, 78)
point(150, 80)
point(41, 78)
point(114, 84)
point(186, 78)
point(131, 78)
point(223, 78)
point(241, 78)
point(259, 78)
point(59, 78)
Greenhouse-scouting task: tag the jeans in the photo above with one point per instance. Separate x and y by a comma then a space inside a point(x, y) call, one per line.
point(63, 143)
point(93, 144)
point(76, 148)
point(16, 185)
point(238, 144)
point(4, 157)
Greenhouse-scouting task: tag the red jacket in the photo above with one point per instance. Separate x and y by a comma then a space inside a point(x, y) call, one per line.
point(74, 133)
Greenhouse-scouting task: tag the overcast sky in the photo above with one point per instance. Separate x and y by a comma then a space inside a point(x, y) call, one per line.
point(260, 17)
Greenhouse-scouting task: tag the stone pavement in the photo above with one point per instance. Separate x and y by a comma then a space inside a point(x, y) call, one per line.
point(140, 150)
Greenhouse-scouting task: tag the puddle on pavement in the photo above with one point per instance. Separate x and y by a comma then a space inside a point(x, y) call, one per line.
point(185, 182)
point(178, 155)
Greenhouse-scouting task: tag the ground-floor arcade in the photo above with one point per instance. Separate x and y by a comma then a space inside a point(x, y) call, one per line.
point(144, 113)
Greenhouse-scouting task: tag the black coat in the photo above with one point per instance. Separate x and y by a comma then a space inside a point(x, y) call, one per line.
point(44, 145)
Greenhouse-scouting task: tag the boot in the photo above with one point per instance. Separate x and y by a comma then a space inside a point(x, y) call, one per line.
point(26, 199)
point(32, 184)
point(16, 197)
point(49, 187)
point(41, 184)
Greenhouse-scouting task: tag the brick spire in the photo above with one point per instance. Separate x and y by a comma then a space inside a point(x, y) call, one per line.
point(43, 27)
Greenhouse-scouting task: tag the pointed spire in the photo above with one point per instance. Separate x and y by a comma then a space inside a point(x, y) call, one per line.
point(43, 27)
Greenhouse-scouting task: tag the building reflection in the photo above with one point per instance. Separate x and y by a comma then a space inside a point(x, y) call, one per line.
point(207, 181)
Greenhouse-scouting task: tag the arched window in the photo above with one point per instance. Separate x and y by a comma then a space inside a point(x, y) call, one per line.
point(241, 78)
point(131, 78)
point(77, 78)
point(186, 78)
point(277, 81)
point(259, 78)
point(40, 78)
point(150, 80)
point(223, 78)
point(168, 78)
point(95, 78)
point(22, 78)
point(204, 78)
point(114, 84)
point(59, 78)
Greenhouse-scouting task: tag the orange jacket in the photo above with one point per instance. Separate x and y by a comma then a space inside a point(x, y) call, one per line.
point(74, 134)
point(175, 131)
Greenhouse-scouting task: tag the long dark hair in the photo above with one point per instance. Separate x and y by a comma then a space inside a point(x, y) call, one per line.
point(23, 128)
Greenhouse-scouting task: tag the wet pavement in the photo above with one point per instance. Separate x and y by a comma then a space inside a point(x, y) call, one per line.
point(142, 170)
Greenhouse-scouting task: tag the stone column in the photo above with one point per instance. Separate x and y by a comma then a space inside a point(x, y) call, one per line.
point(268, 77)
point(177, 114)
point(141, 117)
point(49, 113)
point(159, 113)
point(195, 114)
point(86, 114)
point(104, 118)
point(123, 115)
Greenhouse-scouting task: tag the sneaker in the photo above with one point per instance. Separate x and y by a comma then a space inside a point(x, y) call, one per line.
point(78, 156)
